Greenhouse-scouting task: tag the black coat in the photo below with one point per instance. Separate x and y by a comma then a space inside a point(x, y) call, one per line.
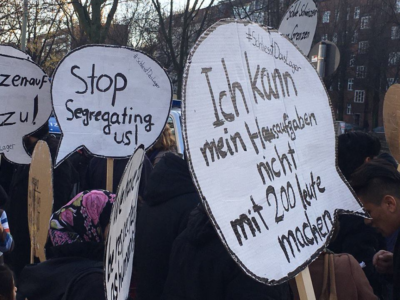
point(97, 174)
point(396, 270)
point(362, 242)
point(201, 268)
point(76, 268)
point(169, 198)
point(64, 178)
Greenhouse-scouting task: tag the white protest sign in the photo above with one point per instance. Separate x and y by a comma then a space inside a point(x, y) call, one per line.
point(109, 99)
point(11, 51)
point(121, 237)
point(299, 24)
point(25, 105)
point(260, 141)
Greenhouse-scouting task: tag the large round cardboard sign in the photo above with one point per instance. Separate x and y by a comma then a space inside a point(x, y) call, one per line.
point(109, 99)
point(260, 140)
point(25, 105)
point(299, 24)
point(40, 198)
point(391, 119)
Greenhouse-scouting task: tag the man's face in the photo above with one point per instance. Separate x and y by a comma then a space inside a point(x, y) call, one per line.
point(382, 217)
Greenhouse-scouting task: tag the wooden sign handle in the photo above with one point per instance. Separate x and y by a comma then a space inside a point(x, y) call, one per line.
point(110, 174)
point(304, 285)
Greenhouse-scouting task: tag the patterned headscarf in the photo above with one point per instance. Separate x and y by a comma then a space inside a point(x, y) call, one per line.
point(83, 219)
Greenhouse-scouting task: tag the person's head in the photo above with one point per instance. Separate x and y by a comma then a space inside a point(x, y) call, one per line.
point(354, 149)
point(31, 139)
point(84, 219)
point(166, 141)
point(377, 184)
point(7, 286)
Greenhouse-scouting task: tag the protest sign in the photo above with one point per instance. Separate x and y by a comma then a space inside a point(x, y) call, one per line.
point(40, 198)
point(260, 140)
point(109, 99)
point(391, 119)
point(299, 24)
point(11, 51)
point(25, 105)
point(121, 237)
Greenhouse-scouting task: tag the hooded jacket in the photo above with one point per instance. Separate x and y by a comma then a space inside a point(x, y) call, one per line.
point(74, 269)
point(169, 198)
point(201, 268)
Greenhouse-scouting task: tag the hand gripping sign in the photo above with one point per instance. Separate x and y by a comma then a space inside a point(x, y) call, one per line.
point(299, 24)
point(260, 141)
point(25, 105)
point(109, 99)
point(121, 238)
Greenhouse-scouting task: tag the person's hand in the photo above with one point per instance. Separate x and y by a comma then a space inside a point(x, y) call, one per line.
point(1, 229)
point(383, 262)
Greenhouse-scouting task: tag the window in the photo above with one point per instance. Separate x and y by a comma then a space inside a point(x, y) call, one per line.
point(337, 14)
point(359, 96)
point(395, 33)
point(334, 38)
point(394, 58)
point(356, 12)
point(365, 22)
point(361, 71)
point(397, 7)
point(354, 39)
point(350, 83)
point(325, 17)
point(352, 60)
point(348, 110)
point(324, 37)
point(348, 14)
point(363, 47)
point(390, 81)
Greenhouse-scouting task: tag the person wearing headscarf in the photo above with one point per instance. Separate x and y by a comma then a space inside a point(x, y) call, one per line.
point(74, 269)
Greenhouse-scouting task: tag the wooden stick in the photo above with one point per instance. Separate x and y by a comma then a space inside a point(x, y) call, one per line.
point(110, 174)
point(304, 285)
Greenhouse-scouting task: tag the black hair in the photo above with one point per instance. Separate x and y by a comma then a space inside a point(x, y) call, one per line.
point(375, 179)
point(6, 283)
point(353, 148)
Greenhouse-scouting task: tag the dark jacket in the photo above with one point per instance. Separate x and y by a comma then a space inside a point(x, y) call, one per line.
point(76, 269)
point(169, 198)
point(97, 173)
point(64, 177)
point(396, 270)
point(201, 268)
point(362, 242)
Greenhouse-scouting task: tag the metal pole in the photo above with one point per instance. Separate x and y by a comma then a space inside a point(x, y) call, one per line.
point(321, 59)
point(24, 24)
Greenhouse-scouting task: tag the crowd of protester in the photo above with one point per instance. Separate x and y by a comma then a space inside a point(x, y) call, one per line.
point(178, 254)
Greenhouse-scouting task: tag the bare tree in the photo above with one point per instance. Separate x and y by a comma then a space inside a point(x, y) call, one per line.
point(90, 16)
point(178, 31)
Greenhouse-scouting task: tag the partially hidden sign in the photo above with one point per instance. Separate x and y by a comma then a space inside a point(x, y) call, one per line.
point(109, 99)
point(260, 140)
point(11, 51)
point(299, 24)
point(25, 105)
point(121, 238)
point(40, 198)
point(391, 119)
